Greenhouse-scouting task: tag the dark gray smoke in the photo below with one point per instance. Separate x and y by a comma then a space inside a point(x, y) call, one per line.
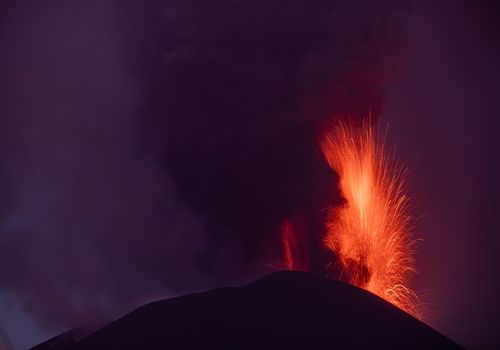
point(237, 94)
point(152, 148)
point(90, 221)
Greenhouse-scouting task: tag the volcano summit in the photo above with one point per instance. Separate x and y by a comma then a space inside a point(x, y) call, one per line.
point(283, 310)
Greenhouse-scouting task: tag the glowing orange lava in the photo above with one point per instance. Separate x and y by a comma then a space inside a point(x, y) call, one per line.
point(371, 232)
point(289, 244)
point(293, 246)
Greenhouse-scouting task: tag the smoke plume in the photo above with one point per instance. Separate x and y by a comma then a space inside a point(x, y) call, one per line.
point(153, 149)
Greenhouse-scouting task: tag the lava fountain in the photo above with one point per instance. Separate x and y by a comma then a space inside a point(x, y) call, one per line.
point(294, 245)
point(289, 245)
point(371, 233)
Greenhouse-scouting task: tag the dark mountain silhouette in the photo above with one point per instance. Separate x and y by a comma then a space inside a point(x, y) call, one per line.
point(284, 310)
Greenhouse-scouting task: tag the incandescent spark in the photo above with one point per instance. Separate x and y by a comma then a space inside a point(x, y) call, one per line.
point(371, 233)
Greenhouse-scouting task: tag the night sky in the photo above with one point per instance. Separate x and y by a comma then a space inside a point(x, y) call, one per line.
point(151, 149)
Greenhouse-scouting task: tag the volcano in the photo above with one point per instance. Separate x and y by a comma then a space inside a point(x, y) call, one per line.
point(283, 310)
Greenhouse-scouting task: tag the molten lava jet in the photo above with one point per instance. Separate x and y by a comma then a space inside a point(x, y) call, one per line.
point(289, 245)
point(371, 232)
point(294, 245)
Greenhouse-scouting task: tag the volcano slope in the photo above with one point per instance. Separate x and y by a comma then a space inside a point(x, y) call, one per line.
point(283, 310)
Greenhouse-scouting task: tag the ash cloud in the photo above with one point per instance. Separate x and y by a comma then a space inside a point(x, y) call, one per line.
point(91, 224)
point(152, 149)
point(238, 96)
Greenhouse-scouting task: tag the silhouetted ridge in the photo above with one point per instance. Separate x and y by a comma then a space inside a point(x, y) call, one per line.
point(284, 310)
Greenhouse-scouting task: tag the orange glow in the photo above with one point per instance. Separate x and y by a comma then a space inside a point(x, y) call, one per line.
point(371, 232)
point(293, 246)
point(289, 244)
